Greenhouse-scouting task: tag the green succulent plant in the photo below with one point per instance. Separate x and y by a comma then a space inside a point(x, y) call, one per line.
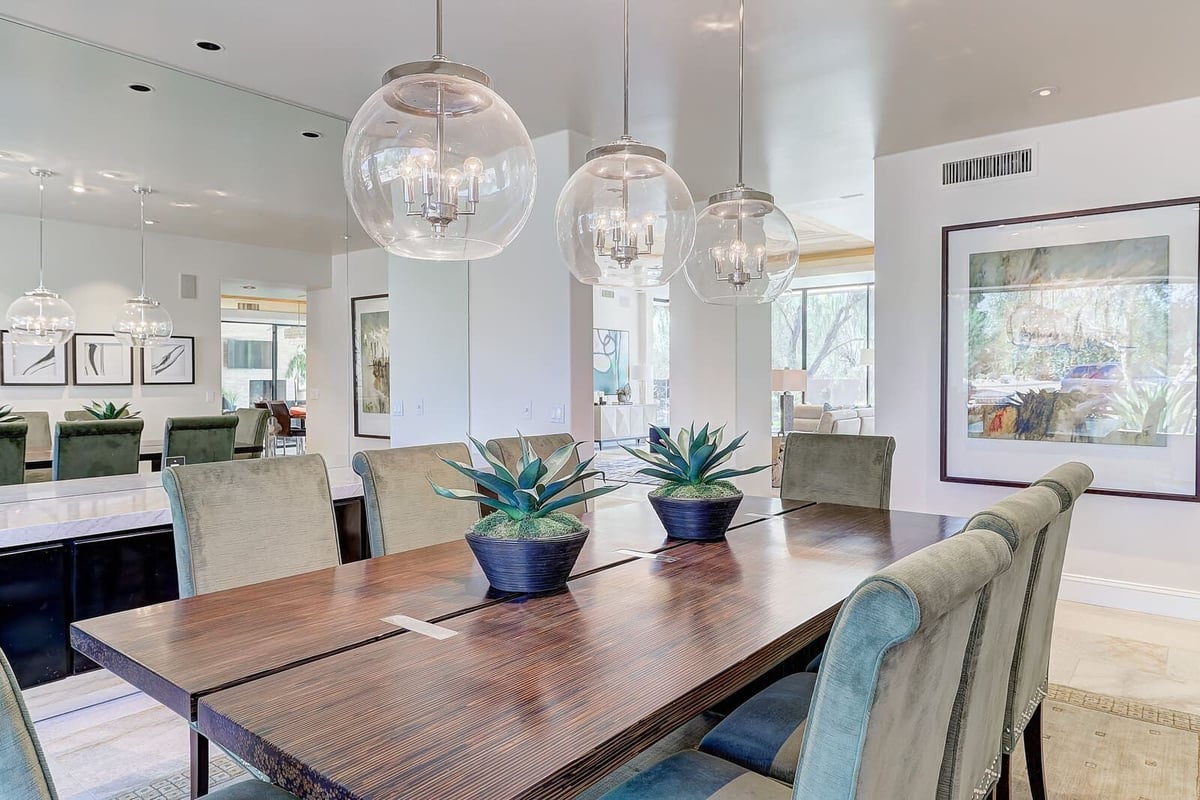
point(689, 463)
point(528, 501)
point(7, 415)
point(110, 411)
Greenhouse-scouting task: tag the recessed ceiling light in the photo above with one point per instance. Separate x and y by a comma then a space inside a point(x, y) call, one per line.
point(5, 156)
point(141, 87)
point(216, 192)
point(211, 47)
point(77, 189)
point(311, 134)
point(151, 222)
point(248, 286)
point(113, 175)
point(851, 196)
point(181, 204)
point(1044, 91)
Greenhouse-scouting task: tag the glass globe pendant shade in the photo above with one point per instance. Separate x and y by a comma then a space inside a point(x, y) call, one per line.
point(625, 218)
point(437, 166)
point(141, 322)
point(746, 250)
point(40, 317)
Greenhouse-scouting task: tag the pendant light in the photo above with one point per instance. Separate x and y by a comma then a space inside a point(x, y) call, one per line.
point(141, 321)
point(625, 218)
point(746, 249)
point(437, 166)
point(40, 317)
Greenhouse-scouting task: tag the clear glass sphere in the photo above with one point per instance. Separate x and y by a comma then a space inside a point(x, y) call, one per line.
point(465, 199)
point(625, 220)
point(40, 317)
point(745, 252)
point(141, 322)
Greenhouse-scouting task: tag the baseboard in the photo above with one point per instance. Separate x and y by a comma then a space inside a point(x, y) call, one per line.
point(1146, 598)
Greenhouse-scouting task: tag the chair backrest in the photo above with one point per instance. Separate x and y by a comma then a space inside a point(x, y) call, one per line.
point(39, 437)
point(807, 418)
point(973, 750)
point(243, 522)
point(23, 771)
point(885, 694)
point(200, 440)
point(838, 468)
point(78, 415)
point(12, 452)
point(98, 447)
point(279, 411)
point(509, 453)
point(403, 513)
point(252, 425)
point(866, 417)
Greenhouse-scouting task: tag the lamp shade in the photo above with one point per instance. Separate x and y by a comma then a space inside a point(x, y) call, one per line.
point(789, 380)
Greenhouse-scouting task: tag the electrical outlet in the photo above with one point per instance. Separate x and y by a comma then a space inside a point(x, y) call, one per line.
point(419, 407)
point(398, 408)
point(314, 394)
point(558, 413)
point(527, 411)
point(210, 397)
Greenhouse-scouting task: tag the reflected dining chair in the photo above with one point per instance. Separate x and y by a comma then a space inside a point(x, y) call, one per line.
point(252, 429)
point(243, 522)
point(509, 452)
point(24, 774)
point(38, 438)
point(12, 452)
point(403, 513)
point(879, 720)
point(287, 432)
point(97, 448)
point(838, 468)
point(78, 415)
point(199, 440)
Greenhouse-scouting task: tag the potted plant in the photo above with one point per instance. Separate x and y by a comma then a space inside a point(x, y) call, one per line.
point(528, 545)
point(110, 411)
point(697, 501)
point(7, 415)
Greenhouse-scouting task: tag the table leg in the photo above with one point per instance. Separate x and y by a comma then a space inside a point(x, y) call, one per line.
point(199, 764)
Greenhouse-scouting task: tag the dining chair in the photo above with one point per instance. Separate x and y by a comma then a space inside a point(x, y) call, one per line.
point(279, 410)
point(838, 468)
point(12, 452)
point(879, 718)
point(38, 438)
point(200, 440)
point(252, 429)
point(24, 774)
point(243, 522)
point(97, 448)
point(509, 452)
point(403, 512)
point(78, 415)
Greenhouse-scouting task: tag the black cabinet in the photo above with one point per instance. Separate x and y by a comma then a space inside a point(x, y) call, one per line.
point(33, 612)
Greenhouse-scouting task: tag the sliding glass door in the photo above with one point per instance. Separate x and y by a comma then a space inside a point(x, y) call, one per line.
point(262, 361)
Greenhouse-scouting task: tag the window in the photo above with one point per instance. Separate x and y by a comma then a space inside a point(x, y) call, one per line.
point(262, 361)
point(660, 354)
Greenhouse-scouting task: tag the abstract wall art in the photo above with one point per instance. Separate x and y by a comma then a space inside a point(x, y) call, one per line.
point(372, 366)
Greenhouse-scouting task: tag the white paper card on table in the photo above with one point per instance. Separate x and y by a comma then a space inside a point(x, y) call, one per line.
point(420, 626)
point(641, 554)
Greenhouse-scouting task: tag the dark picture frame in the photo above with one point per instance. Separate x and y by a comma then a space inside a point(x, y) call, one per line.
point(75, 359)
point(187, 355)
point(7, 354)
point(356, 378)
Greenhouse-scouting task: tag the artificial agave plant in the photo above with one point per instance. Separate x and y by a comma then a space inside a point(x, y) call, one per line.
point(7, 415)
point(528, 501)
point(110, 411)
point(689, 464)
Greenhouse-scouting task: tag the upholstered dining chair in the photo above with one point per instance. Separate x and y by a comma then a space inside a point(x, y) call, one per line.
point(98, 447)
point(252, 429)
point(509, 452)
point(24, 774)
point(38, 438)
point(12, 452)
point(200, 440)
point(403, 513)
point(243, 522)
point(78, 415)
point(879, 719)
point(296, 435)
point(838, 468)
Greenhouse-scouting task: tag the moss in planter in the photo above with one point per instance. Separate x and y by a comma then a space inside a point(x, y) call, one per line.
point(718, 490)
point(554, 524)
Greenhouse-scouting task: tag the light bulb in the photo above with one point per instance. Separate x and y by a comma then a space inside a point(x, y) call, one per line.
point(603, 223)
point(454, 178)
point(737, 249)
point(633, 226)
point(473, 167)
point(648, 218)
point(760, 250)
point(426, 158)
point(618, 215)
point(408, 168)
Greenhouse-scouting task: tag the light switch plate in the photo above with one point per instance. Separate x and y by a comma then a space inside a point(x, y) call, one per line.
point(398, 408)
point(419, 407)
point(558, 413)
point(527, 411)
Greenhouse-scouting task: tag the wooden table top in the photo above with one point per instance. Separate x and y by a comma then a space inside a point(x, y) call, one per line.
point(178, 651)
point(539, 697)
point(151, 451)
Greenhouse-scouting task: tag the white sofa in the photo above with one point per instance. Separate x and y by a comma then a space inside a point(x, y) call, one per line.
point(815, 419)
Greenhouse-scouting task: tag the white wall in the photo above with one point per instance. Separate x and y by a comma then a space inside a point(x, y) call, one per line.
point(1141, 554)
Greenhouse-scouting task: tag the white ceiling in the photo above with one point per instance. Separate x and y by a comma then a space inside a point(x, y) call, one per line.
point(831, 84)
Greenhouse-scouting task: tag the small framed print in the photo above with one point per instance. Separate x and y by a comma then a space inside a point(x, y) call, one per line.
point(101, 359)
point(31, 364)
point(372, 366)
point(173, 362)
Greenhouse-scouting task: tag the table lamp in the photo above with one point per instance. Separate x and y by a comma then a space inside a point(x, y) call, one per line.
point(788, 381)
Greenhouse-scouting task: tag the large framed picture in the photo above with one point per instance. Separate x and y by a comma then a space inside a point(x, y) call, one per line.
point(1073, 337)
point(101, 359)
point(30, 364)
point(372, 366)
point(169, 363)
point(610, 360)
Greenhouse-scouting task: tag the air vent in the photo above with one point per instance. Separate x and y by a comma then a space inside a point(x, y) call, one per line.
point(983, 168)
point(247, 306)
point(607, 294)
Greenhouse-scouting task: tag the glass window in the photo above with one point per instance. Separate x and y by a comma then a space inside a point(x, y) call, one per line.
point(660, 354)
point(262, 361)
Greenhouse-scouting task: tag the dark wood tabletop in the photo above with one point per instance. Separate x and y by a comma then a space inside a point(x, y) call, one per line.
point(151, 451)
point(538, 697)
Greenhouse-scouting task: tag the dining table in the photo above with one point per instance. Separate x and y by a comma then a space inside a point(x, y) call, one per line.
point(407, 676)
point(151, 450)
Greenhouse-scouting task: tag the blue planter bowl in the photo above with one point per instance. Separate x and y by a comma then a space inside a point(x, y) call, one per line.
point(696, 520)
point(526, 566)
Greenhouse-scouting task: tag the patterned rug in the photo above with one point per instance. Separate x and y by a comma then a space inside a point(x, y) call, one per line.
point(620, 467)
point(222, 770)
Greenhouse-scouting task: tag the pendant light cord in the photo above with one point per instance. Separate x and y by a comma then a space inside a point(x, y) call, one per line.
point(41, 232)
point(142, 234)
point(438, 25)
point(625, 135)
point(741, 86)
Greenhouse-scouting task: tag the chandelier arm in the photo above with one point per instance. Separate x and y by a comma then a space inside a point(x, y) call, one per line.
point(741, 86)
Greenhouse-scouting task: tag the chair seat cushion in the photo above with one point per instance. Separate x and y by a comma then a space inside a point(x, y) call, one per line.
point(690, 775)
point(250, 790)
point(764, 733)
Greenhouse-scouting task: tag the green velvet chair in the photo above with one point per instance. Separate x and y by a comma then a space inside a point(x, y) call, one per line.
point(38, 438)
point(200, 440)
point(881, 707)
point(12, 452)
point(252, 429)
point(24, 774)
point(838, 468)
point(78, 415)
point(403, 513)
point(243, 522)
point(97, 448)
point(509, 453)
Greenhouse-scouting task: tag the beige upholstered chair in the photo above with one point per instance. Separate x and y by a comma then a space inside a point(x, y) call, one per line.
point(836, 468)
point(38, 438)
point(806, 418)
point(243, 522)
point(509, 452)
point(843, 420)
point(252, 429)
point(403, 513)
point(78, 415)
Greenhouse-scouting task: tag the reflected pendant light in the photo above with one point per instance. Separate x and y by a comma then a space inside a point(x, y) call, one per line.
point(746, 249)
point(142, 321)
point(40, 317)
point(437, 166)
point(625, 218)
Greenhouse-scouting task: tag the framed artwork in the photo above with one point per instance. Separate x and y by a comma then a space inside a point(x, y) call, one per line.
point(100, 359)
point(173, 362)
point(610, 360)
point(30, 364)
point(1073, 337)
point(371, 327)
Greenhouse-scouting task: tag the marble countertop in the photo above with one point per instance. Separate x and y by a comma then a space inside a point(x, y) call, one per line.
point(51, 512)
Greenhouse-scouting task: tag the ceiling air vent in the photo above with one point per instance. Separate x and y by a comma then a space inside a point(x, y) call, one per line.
point(247, 306)
point(982, 168)
point(607, 294)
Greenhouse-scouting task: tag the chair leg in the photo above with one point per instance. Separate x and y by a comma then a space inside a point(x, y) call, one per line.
point(1004, 784)
point(199, 764)
point(1032, 738)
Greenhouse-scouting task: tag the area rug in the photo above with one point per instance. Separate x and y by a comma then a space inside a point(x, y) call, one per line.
point(620, 467)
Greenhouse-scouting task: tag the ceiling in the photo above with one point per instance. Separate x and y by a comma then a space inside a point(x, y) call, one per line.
point(830, 84)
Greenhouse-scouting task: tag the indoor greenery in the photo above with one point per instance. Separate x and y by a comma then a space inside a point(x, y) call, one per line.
point(689, 464)
point(7, 415)
point(110, 411)
point(528, 501)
